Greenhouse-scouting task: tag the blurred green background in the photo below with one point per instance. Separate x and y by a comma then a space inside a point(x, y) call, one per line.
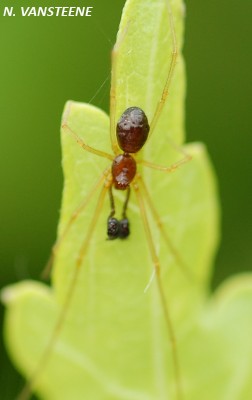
point(46, 61)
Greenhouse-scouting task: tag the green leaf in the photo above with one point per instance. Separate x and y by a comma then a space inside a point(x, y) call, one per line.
point(113, 342)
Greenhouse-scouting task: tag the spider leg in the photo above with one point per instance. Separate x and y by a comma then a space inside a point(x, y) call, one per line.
point(47, 270)
point(180, 262)
point(171, 168)
point(27, 390)
point(156, 266)
point(80, 142)
point(166, 88)
point(114, 55)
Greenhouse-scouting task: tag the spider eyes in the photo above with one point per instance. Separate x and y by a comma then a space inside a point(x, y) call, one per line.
point(117, 229)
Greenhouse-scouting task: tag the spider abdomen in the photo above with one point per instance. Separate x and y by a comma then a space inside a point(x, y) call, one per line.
point(132, 130)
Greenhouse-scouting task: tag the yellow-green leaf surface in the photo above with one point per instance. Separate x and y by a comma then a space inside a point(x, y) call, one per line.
point(113, 343)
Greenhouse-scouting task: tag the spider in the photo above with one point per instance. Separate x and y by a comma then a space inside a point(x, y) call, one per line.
point(127, 136)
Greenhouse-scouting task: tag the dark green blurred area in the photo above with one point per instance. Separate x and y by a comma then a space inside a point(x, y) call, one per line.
point(46, 61)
